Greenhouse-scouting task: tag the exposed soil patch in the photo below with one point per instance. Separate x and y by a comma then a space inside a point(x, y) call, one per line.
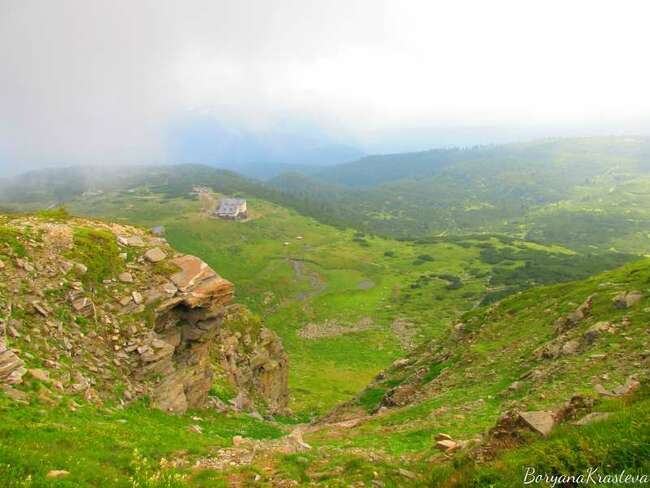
point(332, 328)
point(405, 331)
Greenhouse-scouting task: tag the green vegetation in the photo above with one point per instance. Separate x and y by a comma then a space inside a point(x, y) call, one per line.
point(457, 261)
point(591, 194)
point(9, 238)
point(109, 446)
point(98, 251)
point(322, 274)
point(618, 443)
point(467, 385)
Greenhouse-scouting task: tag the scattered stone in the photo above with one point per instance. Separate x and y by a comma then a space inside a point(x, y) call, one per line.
point(598, 356)
point(12, 367)
point(65, 266)
point(2, 264)
point(630, 386)
point(155, 255)
point(570, 347)
point(569, 321)
point(540, 421)
point(443, 437)
point(195, 428)
point(125, 277)
point(332, 328)
point(82, 305)
point(57, 473)
point(137, 297)
point(296, 438)
point(447, 445)
point(24, 264)
point(125, 301)
point(40, 308)
point(80, 268)
point(39, 374)
point(596, 330)
point(592, 417)
point(407, 474)
point(602, 391)
point(16, 395)
point(132, 241)
point(627, 299)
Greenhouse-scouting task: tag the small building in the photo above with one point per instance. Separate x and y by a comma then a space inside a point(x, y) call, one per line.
point(232, 208)
point(158, 231)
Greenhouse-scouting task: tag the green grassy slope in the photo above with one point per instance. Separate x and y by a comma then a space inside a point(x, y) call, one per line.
point(295, 271)
point(461, 384)
point(586, 193)
point(111, 446)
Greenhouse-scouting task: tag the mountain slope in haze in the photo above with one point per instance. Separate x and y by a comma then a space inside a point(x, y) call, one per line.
point(570, 158)
point(576, 192)
point(589, 194)
point(200, 139)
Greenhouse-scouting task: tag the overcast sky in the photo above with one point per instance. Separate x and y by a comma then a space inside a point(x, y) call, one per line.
point(99, 81)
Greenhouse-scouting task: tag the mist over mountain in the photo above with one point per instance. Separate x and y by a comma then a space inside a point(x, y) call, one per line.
point(262, 153)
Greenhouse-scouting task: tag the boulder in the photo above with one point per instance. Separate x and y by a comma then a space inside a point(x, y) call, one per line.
point(155, 255)
point(132, 241)
point(39, 374)
point(57, 473)
point(570, 347)
point(447, 445)
point(596, 330)
point(81, 304)
point(627, 299)
point(12, 368)
point(540, 421)
point(125, 277)
point(40, 308)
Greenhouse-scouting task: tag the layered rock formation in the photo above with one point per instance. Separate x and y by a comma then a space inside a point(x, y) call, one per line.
point(99, 305)
point(178, 348)
point(254, 361)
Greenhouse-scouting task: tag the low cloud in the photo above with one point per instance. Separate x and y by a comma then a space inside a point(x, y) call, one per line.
point(90, 81)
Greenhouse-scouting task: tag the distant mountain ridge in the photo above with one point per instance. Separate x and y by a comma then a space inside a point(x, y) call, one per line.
point(586, 192)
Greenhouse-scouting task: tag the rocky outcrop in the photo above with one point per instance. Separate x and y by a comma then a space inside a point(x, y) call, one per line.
point(135, 313)
point(12, 367)
point(178, 348)
point(254, 361)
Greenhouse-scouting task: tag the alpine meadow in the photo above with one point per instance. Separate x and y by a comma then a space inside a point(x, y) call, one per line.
point(286, 244)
